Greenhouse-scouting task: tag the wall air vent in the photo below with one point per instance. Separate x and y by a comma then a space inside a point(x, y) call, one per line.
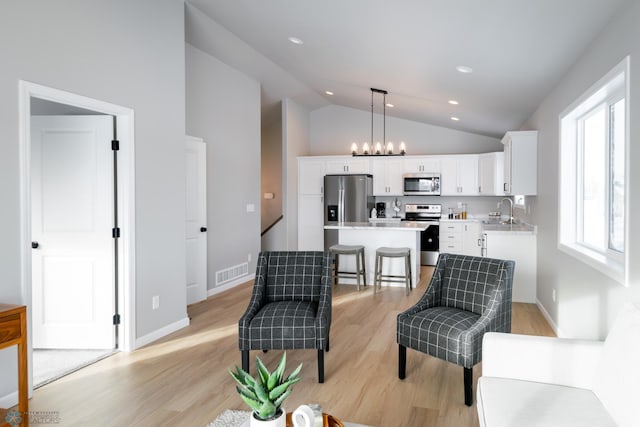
point(231, 273)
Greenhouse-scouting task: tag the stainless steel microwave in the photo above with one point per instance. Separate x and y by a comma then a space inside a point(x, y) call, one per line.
point(421, 184)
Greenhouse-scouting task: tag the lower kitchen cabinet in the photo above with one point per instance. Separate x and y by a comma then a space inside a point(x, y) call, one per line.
point(521, 248)
point(460, 237)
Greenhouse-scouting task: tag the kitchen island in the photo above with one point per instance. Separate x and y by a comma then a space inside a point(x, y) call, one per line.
point(375, 234)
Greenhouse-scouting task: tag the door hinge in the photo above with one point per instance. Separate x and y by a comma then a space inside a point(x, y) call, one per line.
point(115, 232)
point(115, 145)
point(116, 319)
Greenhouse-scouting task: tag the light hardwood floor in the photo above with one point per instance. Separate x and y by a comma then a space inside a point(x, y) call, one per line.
point(182, 380)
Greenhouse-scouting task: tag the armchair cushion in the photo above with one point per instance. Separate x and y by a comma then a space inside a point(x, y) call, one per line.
point(439, 332)
point(284, 325)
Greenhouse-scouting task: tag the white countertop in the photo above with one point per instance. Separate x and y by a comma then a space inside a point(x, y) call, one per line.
point(517, 228)
point(495, 226)
point(380, 225)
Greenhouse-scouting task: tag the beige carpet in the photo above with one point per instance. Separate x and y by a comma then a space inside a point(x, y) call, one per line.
point(49, 365)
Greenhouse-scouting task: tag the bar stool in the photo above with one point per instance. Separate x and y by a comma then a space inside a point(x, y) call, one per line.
point(385, 252)
point(358, 251)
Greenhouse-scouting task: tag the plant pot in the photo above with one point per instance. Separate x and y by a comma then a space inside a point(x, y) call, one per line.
point(280, 421)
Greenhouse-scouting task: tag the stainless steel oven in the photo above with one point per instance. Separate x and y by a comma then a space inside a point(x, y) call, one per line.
point(421, 184)
point(429, 238)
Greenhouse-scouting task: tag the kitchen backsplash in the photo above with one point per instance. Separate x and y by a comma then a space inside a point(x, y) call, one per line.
point(476, 206)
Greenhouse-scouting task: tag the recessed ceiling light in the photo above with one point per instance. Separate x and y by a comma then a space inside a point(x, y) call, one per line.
point(295, 40)
point(464, 69)
point(389, 105)
point(455, 119)
point(328, 92)
point(453, 102)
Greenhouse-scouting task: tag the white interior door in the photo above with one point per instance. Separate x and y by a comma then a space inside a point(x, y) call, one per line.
point(196, 219)
point(72, 221)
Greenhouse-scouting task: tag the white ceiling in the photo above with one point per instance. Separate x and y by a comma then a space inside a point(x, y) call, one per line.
point(518, 49)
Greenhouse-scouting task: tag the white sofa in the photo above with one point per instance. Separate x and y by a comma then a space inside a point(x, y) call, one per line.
point(543, 381)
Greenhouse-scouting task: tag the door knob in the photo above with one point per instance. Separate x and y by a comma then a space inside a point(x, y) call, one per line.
point(35, 245)
point(203, 229)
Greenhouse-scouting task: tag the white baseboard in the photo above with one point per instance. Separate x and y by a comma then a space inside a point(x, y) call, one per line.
point(547, 316)
point(9, 400)
point(230, 285)
point(164, 331)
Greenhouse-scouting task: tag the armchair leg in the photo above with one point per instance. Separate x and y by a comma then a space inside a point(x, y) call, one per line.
point(245, 360)
point(402, 361)
point(468, 392)
point(327, 349)
point(321, 366)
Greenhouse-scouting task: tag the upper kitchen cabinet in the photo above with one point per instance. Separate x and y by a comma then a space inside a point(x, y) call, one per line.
point(387, 176)
point(346, 165)
point(421, 164)
point(311, 172)
point(520, 163)
point(459, 175)
point(491, 174)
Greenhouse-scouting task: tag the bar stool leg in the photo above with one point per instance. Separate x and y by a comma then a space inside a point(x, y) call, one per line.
point(376, 274)
point(407, 274)
point(410, 272)
point(364, 268)
point(358, 271)
point(337, 266)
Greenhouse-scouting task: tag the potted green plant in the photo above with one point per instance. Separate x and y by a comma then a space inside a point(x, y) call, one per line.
point(266, 393)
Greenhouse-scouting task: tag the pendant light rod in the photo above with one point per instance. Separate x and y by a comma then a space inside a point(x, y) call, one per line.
point(384, 116)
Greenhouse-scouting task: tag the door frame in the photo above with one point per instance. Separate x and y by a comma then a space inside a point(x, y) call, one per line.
point(126, 201)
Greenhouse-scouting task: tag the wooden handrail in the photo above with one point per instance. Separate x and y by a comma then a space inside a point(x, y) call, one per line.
point(271, 226)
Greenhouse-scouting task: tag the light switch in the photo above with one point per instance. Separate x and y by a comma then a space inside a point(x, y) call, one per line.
point(251, 207)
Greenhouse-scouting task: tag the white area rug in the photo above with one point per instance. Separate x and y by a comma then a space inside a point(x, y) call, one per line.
point(230, 418)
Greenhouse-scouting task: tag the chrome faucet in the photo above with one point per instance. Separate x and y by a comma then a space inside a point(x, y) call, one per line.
point(511, 219)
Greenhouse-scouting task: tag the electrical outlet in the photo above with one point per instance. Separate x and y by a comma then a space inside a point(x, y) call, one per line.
point(249, 257)
point(155, 302)
point(553, 294)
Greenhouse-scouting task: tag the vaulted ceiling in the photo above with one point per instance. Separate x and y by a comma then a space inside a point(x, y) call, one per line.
point(518, 50)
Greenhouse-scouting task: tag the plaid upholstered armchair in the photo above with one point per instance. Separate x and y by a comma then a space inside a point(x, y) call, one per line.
point(467, 297)
point(290, 306)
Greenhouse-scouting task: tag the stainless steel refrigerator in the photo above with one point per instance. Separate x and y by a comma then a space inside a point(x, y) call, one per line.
point(347, 198)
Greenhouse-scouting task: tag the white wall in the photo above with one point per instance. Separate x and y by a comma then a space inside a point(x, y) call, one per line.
point(587, 301)
point(333, 128)
point(122, 52)
point(295, 125)
point(223, 108)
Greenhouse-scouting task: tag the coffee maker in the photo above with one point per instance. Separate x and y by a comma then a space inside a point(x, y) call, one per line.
point(380, 209)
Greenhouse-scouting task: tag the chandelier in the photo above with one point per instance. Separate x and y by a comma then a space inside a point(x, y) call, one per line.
point(378, 149)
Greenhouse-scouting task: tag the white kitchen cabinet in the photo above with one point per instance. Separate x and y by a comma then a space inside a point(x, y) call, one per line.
point(520, 163)
point(310, 175)
point(490, 174)
point(459, 175)
point(387, 176)
point(460, 237)
point(421, 164)
point(347, 165)
point(310, 222)
point(311, 172)
point(521, 248)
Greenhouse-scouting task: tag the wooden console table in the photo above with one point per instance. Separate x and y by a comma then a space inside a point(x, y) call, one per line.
point(13, 331)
